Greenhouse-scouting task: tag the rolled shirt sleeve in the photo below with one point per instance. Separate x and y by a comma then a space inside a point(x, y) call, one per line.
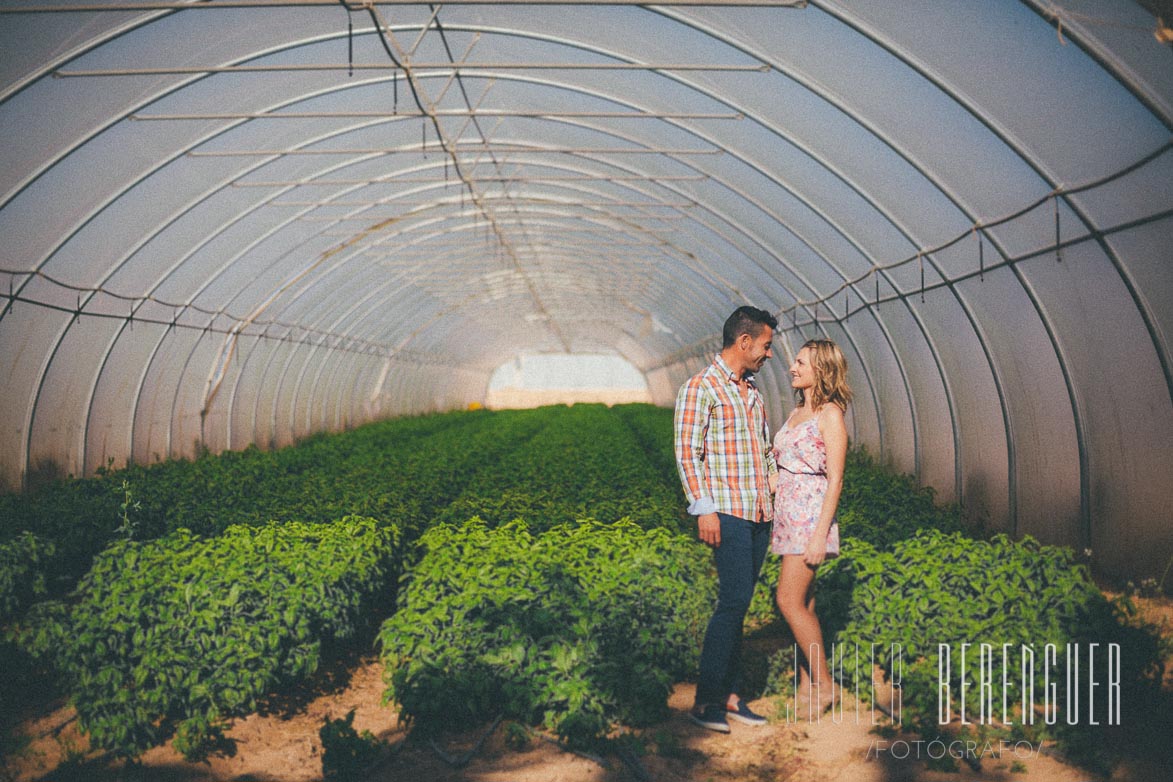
point(701, 506)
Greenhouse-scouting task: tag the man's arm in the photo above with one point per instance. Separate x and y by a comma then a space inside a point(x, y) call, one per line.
point(771, 461)
point(690, 425)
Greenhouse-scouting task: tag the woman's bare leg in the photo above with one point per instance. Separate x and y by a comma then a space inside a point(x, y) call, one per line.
point(796, 600)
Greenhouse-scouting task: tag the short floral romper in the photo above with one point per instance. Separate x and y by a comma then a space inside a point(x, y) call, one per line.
point(802, 484)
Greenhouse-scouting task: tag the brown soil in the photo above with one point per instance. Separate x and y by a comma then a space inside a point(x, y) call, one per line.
point(283, 744)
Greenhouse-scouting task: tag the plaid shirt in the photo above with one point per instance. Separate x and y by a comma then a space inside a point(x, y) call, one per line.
point(723, 451)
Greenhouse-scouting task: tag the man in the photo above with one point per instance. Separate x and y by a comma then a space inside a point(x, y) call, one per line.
point(726, 463)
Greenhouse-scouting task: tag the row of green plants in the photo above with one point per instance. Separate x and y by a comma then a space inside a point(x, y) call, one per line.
point(920, 611)
point(403, 470)
point(175, 636)
point(575, 628)
point(592, 464)
point(23, 564)
point(564, 620)
point(407, 472)
point(878, 506)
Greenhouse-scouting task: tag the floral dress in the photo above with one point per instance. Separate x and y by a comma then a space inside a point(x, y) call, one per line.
point(802, 484)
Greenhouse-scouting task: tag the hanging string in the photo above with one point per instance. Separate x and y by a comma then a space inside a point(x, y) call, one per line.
point(349, 44)
point(980, 227)
point(1058, 238)
point(424, 137)
point(369, 7)
point(921, 260)
point(11, 298)
point(981, 255)
point(395, 94)
point(368, 347)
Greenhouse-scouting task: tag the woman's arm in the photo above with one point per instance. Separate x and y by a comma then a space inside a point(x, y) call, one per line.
point(833, 430)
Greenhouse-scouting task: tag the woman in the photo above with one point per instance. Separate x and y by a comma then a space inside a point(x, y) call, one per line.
point(811, 449)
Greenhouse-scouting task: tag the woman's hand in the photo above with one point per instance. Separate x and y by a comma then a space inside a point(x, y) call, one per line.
point(816, 551)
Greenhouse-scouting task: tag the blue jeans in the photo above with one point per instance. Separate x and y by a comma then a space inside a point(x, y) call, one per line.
point(738, 559)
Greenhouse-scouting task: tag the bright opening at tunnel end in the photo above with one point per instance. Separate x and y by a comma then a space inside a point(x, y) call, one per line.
point(533, 380)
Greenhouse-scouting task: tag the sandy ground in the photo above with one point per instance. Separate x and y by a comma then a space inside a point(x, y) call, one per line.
point(283, 744)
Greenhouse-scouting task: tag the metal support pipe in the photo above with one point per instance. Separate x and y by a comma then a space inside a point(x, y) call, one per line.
point(425, 180)
point(472, 146)
point(517, 198)
point(428, 66)
point(157, 5)
point(442, 113)
point(403, 216)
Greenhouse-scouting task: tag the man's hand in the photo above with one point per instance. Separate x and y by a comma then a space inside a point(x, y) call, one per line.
point(709, 529)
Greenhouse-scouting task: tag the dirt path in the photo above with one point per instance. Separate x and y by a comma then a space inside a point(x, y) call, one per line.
point(835, 748)
point(284, 746)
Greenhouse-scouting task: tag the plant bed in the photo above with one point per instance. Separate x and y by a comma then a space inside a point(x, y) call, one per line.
point(174, 636)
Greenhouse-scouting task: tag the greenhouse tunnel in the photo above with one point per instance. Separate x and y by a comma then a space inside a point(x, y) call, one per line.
point(245, 221)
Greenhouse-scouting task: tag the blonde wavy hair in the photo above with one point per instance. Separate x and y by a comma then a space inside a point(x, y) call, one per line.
point(830, 375)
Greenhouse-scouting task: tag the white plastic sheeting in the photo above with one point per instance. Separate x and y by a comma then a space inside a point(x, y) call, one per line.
point(230, 223)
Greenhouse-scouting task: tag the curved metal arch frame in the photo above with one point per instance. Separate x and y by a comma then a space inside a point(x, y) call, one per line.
point(291, 359)
point(162, 226)
point(61, 335)
point(1007, 140)
point(608, 163)
point(1075, 32)
point(185, 83)
point(934, 351)
point(550, 218)
point(1045, 320)
point(659, 240)
point(374, 293)
point(657, 245)
point(778, 220)
point(789, 73)
point(48, 68)
point(164, 92)
point(297, 391)
point(318, 39)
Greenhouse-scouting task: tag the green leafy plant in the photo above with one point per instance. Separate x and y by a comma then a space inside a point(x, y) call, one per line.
point(129, 526)
point(23, 563)
point(346, 753)
point(198, 737)
point(574, 628)
point(572, 625)
point(944, 589)
point(879, 507)
point(518, 737)
point(550, 465)
point(181, 633)
point(883, 507)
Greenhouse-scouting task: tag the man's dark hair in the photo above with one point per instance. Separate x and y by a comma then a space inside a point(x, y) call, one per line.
point(746, 320)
